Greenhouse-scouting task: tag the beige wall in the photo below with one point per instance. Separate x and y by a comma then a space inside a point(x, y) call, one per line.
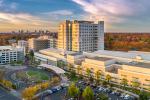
point(144, 79)
point(131, 73)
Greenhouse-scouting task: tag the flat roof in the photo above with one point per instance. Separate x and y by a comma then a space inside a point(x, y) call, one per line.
point(5, 47)
point(100, 58)
point(77, 53)
point(139, 64)
point(59, 51)
point(126, 55)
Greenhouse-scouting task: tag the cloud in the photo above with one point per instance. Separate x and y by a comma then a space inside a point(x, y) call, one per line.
point(113, 11)
point(22, 21)
point(60, 12)
point(119, 15)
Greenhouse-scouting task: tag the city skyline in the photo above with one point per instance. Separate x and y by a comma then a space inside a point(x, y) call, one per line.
point(119, 16)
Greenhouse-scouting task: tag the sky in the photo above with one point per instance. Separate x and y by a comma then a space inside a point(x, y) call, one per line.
point(119, 15)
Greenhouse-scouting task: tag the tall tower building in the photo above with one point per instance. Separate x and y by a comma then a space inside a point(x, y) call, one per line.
point(65, 36)
point(81, 36)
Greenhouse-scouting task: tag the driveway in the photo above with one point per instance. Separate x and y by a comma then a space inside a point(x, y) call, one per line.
point(5, 95)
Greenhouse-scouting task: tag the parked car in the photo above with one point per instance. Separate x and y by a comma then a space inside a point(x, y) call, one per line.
point(54, 90)
point(126, 97)
point(117, 93)
point(50, 91)
point(64, 85)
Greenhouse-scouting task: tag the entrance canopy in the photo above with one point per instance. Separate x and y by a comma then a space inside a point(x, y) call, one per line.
point(57, 70)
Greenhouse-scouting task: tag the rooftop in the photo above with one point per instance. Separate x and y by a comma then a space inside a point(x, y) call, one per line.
point(77, 53)
point(100, 58)
point(139, 64)
point(126, 55)
point(58, 51)
point(5, 47)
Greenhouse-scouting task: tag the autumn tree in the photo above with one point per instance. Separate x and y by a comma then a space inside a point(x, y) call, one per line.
point(88, 93)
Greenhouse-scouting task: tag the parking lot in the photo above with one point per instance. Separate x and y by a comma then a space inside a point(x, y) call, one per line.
point(59, 93)
point(5, 95)
point(112, 94)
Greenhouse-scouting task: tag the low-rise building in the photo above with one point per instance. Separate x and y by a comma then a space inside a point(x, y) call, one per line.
point(9, 54)
point(133, 66)
point(38, 44)
point(52, 56)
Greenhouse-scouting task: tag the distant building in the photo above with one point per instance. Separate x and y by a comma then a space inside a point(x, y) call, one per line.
point(38, 44)
point(23, 44)
point(81, 36)
point(10, 53)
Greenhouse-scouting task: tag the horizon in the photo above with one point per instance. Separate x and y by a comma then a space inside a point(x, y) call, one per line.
point(119, 16)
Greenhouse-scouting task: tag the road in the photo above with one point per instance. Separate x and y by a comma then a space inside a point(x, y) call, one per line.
point(5, 95)
point(56, 96)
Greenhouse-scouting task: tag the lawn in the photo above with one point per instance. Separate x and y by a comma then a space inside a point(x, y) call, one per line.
point(38, 75)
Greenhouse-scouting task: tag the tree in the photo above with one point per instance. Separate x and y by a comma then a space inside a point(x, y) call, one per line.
point(79, 70)
point(28, 93)
point(124, 82)
point(98, 76)
point(31, 53)
point(135, 84)
point(88, 93)
point(61, 64)
point(88, 72)
point(102, 96)
point(108, 78)
point(143, 96)
point(73, 91)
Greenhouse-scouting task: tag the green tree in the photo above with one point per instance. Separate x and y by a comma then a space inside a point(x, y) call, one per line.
point(88, 93)
point(143, 96)
point(102, 96)
point(98, 76)
point(31, 53)
point(108, 78)
point(88, 72)
point(73, 91)
point(61, 64)
point(124, 82)
point(135, 84)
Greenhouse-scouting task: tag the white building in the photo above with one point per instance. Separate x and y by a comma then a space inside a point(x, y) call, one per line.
point(81, 36)
point(51, 56)
point(10, 53)
point(23, 44)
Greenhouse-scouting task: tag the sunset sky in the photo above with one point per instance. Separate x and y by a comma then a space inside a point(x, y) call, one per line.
point(119, 15)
